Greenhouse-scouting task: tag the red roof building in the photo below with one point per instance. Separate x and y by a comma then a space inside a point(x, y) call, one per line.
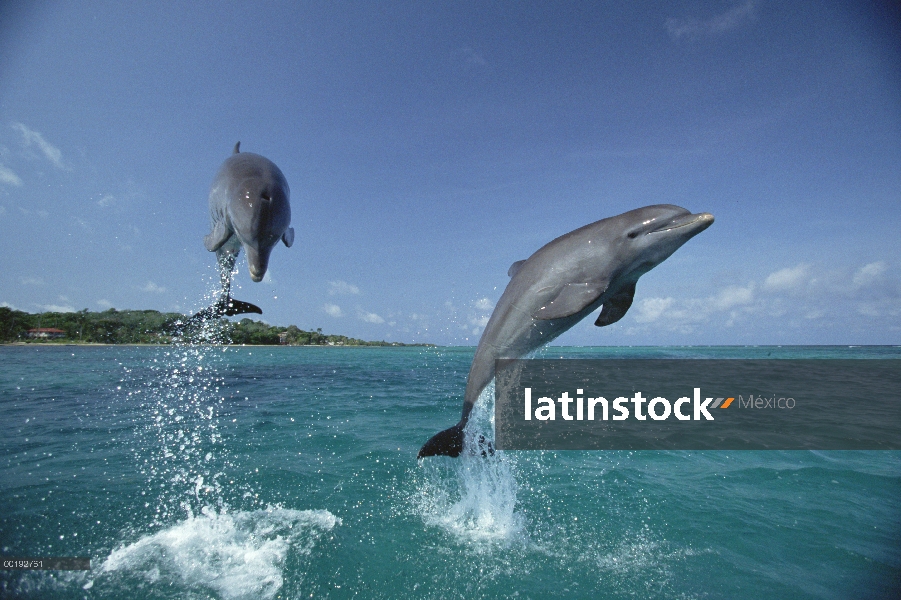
point(46, 333)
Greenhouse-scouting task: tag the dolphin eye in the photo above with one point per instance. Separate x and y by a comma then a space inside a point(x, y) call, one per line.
point(633, 235)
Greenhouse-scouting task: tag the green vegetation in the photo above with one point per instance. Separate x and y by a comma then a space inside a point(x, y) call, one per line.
point(151, 327)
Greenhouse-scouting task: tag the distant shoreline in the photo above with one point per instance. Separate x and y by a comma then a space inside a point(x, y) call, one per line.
point(153, 328)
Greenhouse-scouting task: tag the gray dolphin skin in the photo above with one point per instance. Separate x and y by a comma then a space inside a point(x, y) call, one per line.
point(250, 209)
point(565, 281)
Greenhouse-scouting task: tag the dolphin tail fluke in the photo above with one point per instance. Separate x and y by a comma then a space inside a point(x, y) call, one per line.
point(234, 307)
point(226, 307)
point(446, 443)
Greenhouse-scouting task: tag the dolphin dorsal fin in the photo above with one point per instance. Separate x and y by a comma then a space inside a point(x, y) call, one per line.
point(237, 148)
point(616, 306)
point(515, 267)
point(572, 298)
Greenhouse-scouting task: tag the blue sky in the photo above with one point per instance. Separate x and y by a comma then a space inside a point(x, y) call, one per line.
point(429, 145)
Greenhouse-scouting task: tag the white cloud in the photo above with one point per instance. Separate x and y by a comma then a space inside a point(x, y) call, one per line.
point(8, 305)
point(333, 310)
point(342, 288)
point(787, 279)
point(716, 25)
point(732, 296)
point(650, 309)
point(56, 308)
point(480, 321)
point(869, 274)
point(31, 281)
point(31, 137)
point(104, 303)
point(484, 304)
point(9, 177)
point(798, 297)
point(153, 288)
point(370, 317)
point(107, 200)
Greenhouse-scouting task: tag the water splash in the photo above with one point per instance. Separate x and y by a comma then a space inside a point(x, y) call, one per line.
point(233, 555)
point(473, 496)
point(181, 450)
point(205, 528)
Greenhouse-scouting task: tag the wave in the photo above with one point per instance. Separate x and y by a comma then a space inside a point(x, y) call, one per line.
point(232, 555)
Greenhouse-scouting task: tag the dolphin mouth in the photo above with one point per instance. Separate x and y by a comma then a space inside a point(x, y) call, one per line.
point(257, 271)
point(703, 220)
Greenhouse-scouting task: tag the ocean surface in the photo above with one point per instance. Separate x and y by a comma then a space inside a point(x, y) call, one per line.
point(291, 472)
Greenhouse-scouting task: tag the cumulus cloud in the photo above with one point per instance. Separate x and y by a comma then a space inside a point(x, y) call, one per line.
point(869, 274)
point(8, 177)
point(479, 322)
point(651, 309)
point(342, 288)
point(483, 304)
point(8, 305)
point(153, 288)
point(59, 308)
point(333, 310)
point(370, 317)
point(787, 279)
point(716, 25)
point(34, 138)
point(732, 296)
point(803, 295)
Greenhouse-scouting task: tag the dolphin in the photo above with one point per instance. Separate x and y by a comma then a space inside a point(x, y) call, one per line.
point(249, 208)
point(565, 281)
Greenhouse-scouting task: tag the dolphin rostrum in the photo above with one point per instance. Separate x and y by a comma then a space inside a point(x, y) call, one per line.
point(565, 281)
point(249, 208)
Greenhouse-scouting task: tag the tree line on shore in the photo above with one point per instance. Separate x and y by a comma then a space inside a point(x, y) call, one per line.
point(152, 327)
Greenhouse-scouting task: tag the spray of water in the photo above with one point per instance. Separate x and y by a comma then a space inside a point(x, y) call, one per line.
point(472, 497)
point(209, 531)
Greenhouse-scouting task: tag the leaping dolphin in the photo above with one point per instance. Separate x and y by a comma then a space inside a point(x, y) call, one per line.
point(249, 208)
point(565, 281)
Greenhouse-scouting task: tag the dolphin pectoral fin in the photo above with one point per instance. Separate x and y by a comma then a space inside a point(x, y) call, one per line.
point(515, 267)
point(288, 237)
point(446, 443)
point(232, 307)
point(217, 237)
point(571, 299)
point(616, 306)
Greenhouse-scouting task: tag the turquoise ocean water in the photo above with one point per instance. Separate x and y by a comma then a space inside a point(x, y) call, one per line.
point(211, 472)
